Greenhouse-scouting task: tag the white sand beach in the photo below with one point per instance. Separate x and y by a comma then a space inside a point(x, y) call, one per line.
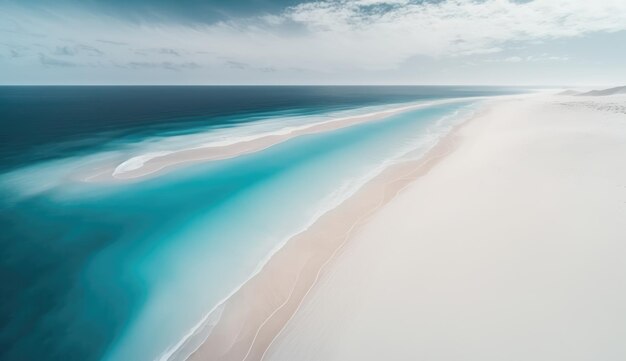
point(313, 180)
point(512, 247)
point(506, 241)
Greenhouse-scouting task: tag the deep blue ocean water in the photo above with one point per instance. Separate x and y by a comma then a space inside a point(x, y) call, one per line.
point(54, 121)
point(122, 271)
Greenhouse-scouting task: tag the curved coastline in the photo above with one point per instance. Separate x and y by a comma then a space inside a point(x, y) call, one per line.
point(255, 313)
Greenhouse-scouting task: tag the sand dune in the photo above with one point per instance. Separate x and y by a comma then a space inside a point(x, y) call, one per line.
point(604, 92)
point(569, 92)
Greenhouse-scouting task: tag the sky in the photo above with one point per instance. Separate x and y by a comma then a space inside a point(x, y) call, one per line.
point(490, 42)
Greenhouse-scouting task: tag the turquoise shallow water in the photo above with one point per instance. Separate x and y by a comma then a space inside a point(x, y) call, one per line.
point(276, 193)
point(123, 271)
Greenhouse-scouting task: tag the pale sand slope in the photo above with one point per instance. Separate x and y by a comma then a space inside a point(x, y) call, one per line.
point(511, 248)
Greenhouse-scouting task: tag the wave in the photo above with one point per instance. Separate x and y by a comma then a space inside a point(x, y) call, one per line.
point(137, 162)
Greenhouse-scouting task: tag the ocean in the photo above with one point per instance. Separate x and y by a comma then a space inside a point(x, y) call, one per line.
point(128, 270)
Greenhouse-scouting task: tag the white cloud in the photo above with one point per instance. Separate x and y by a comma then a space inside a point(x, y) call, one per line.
point(386, 36)
point(322, 36)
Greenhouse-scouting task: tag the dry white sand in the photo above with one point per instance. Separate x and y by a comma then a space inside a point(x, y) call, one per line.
point(511, 248)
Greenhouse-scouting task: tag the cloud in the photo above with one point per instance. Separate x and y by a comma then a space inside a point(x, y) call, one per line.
point(237, 65)
point(322, 37)
point(168, 51)
point(54, 62)
point(111, 42)
point(15, 51)
point(162, 11)
point(157, 51)
point(529, 58)
point(73, 50)
point(383, 34)
point(161, 65)
point(378, 34)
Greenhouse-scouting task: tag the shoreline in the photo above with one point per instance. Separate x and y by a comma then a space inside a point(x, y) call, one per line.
point(155, 163)
point(512, 242)
point(248, 323)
